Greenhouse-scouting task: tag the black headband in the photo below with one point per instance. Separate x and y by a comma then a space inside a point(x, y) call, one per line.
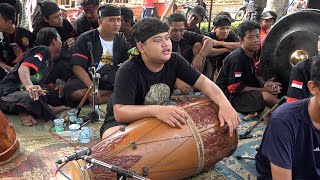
point(222, 22)
point(148, 27)
point(109, 10)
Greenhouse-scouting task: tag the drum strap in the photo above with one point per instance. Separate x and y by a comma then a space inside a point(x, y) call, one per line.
point(199, 142)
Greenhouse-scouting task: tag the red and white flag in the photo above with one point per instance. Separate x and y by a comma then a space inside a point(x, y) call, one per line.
point(237, 74)
point(39, 56)
point(297, 84)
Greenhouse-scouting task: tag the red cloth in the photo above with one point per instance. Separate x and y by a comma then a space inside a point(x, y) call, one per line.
point(147, 3)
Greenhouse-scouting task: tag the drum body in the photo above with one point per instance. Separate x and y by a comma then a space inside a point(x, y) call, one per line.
point(9, 144)
point(153, 149)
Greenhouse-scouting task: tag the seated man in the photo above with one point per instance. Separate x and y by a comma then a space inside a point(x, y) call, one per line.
point(126, 25)
point(14, 40)
point(147, 80)
point(227, 41)
point(299, 77)
point(268, 19)
point(290, 147)
point(109, 51)
point(192, 46)
point(237, 77)
point(20, 90)
point(88, 19)
point(195, 16)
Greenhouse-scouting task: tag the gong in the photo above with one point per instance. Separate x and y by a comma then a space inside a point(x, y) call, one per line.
point(297, 32)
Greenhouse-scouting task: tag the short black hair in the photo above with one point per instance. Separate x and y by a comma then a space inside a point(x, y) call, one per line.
point(315, 70)
point(176, 17)
point(148, 27)
point(247, 26)
point(127, 14)
point(8, 12)
point(84, 3)
point(46, 35)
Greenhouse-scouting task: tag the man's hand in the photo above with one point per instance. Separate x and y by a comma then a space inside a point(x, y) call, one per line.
point(227, 114)
point(183, 87)
point(35, 91)
point(272, 87)
point(171, 115)
point(70, 42)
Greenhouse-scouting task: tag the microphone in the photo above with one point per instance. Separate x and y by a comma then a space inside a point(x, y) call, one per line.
point(96, 82)
point(77, 155)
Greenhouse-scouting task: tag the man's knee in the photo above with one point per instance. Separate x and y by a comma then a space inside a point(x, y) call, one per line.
point(197, 48)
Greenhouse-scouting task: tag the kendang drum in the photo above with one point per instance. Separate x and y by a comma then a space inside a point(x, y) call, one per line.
point(9, 144)
point(153, 149)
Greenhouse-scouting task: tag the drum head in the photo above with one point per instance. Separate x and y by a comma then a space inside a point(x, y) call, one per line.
point(297, 31)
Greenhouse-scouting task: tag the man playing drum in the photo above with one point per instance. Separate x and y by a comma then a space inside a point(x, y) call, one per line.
point(147, 80)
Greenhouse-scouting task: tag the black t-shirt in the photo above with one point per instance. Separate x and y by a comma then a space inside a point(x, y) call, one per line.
point(82, 24)
point(299, 77)
point(290, 141)
point(12, 46)
point(195, 29)
point(137, 85)
point(232, 37)
point(39, 61)
point(237, 72)
point(186, 44)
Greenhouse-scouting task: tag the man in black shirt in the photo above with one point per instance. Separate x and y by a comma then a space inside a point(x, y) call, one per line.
point(192, 46)
point(196, 15)
point(21, 90)
point(237, 77)
point(14, 40)
point(127, 22)
point(227, 41)
point(144, 82)
point(290, 147)
point(88, 19)
point(109, 51)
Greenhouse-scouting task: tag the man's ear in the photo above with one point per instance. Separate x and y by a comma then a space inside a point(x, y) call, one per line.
point(313, 88)
point(140, 47)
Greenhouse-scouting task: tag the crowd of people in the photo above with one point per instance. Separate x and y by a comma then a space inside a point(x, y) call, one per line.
point(46, 71)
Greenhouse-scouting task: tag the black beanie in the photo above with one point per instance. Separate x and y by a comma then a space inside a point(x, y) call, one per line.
point(109, 10)
point(47, 8)
point(148, 27)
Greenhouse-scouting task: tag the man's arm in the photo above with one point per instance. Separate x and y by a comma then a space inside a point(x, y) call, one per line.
point(218, 51)
point(226, 112)
point(82, 75)
point(230, 45)
point(35, 91)
point(279, 173)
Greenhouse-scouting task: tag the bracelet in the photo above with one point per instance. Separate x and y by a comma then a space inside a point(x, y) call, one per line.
point(201, 55)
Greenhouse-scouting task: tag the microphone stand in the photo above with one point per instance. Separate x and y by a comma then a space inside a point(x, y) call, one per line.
point(93, 115)
point(122, 174)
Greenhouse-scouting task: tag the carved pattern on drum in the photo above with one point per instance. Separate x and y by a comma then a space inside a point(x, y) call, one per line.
point(215, 143)
point(204, 115)
point(125, 162)
point(100, 149)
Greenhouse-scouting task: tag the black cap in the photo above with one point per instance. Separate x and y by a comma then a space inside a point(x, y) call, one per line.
point(221, 20)
point(109, 10)
point(127, 14)
point(225, 13)
point(269, 15)
point(89, 2)
point(198, 11)
point(47, 8)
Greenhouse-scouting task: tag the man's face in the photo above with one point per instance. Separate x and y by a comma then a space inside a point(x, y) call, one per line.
point(124, 25)
point(57, 44)
point(91, 13)
point(193, 21)
point(176, 30)
point(222, 32)
point(55, 20)
point(267, 23)
point(158, 48)
point(251, 40)
point(4, 25)
point(110, 24)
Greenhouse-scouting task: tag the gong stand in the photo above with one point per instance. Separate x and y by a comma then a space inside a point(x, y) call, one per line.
point(122, 174)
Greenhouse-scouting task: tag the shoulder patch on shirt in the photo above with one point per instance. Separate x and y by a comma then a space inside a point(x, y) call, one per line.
point(237, 74)
point(39, 56)
point(297, 84)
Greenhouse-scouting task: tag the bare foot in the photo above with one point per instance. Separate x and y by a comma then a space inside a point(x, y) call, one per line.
point(58, 109)
point(27, 119)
